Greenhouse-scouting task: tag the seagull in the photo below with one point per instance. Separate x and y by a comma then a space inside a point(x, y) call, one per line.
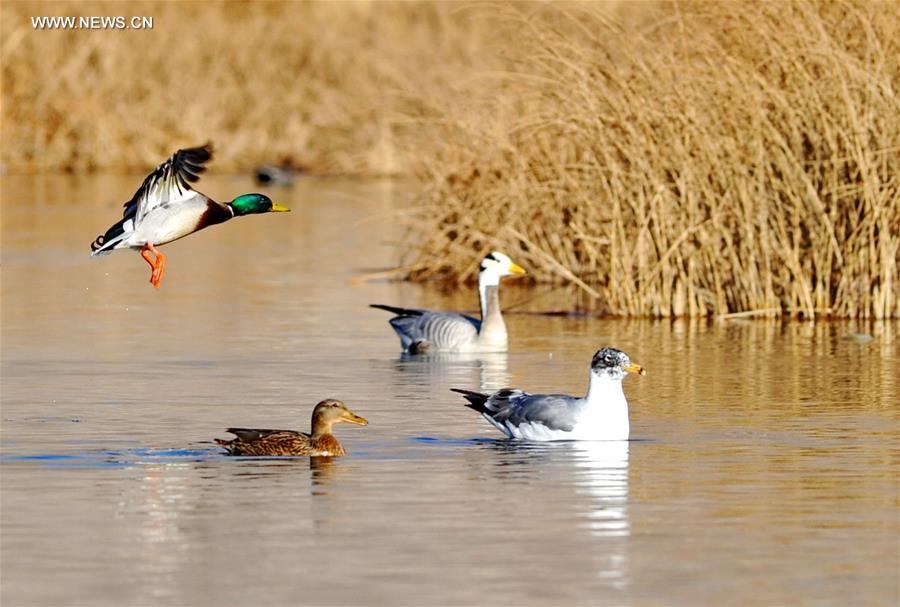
point(166, 208)
point(600, 415)
point(424, 331)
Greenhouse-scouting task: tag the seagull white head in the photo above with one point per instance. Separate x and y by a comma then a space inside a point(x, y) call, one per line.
point(495, 266)
point(613, 364)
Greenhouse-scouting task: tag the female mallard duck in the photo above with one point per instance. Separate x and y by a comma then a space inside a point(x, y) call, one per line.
point(166, 208)
point(290, 442)
point(601, 415)
point(423, 331)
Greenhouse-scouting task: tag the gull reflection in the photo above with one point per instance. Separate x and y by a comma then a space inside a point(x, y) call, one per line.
point(602, 473)
point(588, 479)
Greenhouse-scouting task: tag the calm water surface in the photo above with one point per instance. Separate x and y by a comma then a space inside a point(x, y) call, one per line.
point(763, 469)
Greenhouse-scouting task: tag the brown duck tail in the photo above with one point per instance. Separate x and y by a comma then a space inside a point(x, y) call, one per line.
point(230, 446)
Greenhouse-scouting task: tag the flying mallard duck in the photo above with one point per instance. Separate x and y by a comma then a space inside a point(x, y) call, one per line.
point(601, 415)
point(166, 208)
point(423, 331)
point(290, 442)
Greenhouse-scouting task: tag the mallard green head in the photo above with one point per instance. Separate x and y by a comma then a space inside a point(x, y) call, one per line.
point(247, 204)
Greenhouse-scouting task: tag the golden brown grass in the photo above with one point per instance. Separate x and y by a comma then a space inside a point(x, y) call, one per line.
point(321, 83)
point(670, 159)
point(727, 157)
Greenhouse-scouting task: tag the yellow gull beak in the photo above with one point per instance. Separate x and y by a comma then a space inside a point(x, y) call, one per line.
point(515, 268)
point(635, 368)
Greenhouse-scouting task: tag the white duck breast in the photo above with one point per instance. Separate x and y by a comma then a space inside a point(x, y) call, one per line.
point(159, 203)
point(161, 226)
point(600, 415)
point(423, 331)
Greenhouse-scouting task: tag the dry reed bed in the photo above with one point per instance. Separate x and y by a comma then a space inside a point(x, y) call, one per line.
point(733, 157)
point(670, 159)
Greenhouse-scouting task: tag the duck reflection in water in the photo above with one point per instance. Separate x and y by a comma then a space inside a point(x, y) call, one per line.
point(488, 370)
point(322, 470)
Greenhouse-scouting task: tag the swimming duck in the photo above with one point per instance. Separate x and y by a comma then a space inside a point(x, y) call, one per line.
point(422, 331)
point(277, 175)
point(166, 208)
point(290, 442)
point(600, 415)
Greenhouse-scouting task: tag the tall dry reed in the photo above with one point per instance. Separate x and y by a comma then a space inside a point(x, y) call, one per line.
point(670, 159)
point(732, 157)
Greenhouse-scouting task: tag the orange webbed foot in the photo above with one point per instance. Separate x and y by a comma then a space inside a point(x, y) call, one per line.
point(158, 264)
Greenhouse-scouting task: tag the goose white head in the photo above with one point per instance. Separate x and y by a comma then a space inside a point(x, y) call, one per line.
point(610, 363)
point(495, 266)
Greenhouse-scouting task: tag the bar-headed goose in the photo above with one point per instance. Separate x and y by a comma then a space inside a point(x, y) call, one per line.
point(424, 331)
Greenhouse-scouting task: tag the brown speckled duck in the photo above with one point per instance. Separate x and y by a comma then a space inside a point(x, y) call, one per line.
point(290, 442)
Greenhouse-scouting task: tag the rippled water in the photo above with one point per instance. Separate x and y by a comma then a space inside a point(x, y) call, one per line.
point(762, 470)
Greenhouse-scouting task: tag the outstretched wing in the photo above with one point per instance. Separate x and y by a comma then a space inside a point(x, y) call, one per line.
point(170, 182)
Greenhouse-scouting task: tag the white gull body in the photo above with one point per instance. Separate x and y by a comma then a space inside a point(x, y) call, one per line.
point(602, 414)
